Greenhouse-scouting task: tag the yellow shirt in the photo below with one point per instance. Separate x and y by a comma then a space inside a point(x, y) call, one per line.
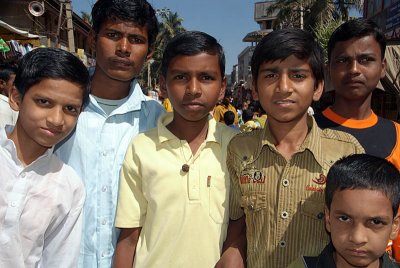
point(283, 201)
point(167, 105)
point(183, 215)
point(220, 110)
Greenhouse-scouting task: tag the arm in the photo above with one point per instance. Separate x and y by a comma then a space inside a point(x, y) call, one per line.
point(126, 246)
point(235, 246)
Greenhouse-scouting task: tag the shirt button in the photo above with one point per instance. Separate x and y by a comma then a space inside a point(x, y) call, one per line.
point(284, 215)
point(13, 204)
point(104, 222)
point(103, 254)
point(285, 182)
point(250, 207)
point(23, 174)
point(282, 244)
point(104, 153)
point(104, 189)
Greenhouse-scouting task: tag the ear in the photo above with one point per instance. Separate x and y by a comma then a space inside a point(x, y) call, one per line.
point(254, 91)
point(383, 72)
point(14, 99)
point(318, 90)
point(395, 227)
point(150, 53)
point(163, 86)
point(223, 89)
point(327, 220)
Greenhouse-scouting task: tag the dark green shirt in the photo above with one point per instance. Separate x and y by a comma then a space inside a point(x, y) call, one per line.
point(326, 260)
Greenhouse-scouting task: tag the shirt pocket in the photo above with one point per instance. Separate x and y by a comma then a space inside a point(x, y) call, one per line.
point(218, 199)
point(312, 209)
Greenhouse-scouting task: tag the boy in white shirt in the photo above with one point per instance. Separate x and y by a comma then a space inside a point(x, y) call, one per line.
point(41, 198)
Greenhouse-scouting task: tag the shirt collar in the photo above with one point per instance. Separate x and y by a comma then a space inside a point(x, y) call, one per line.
point(165, 135)
point(133, 101)
point(9, 146)
point(312, 141)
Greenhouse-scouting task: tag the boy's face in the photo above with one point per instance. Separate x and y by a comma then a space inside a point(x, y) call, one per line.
point(286, 89)
point(47, 113)
point(193, 84)
point(361, 223)
point(6, 86)
point(121, 49)
point(355, 67)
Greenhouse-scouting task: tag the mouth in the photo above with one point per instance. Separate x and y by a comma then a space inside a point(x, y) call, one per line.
point(120, 62)
point(284, 102)
point(193, 105)
point(358, 252)
point(354, 82)
point(52, 132)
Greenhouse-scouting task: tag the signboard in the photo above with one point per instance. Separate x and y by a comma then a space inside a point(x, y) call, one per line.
point(261, 11)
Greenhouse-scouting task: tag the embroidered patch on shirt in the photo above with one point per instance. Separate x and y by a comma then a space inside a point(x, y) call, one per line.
point(321, 180)
point(252, 176)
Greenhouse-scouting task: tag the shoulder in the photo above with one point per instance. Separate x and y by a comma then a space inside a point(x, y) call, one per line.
point(340, 141)
point(68, 180)
point(225, 131)
point(246, 142)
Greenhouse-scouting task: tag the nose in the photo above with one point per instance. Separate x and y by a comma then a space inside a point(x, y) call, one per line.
point(56, 117)
point(284, 85)
point(123, 47)
point(193, 88)
point(358, 234)
point(354, 68)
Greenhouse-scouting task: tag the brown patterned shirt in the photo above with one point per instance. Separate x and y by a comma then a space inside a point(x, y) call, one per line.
point(283, 201)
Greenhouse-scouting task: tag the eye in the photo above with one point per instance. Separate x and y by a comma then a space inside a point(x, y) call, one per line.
point(271, 75)
point(71, 109)
point(136, 40)
point(179, 77)
point(377, 222)
point(207, 77)
point(366, 59)
point(344, 218)
point(113, 35)
point(299, 76)
point(42, 102)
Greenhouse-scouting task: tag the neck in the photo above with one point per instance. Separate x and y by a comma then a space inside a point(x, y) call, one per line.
point(27, 149)
point(351, 109)
point(193, 132)
point(289, 136)
point(104, 87)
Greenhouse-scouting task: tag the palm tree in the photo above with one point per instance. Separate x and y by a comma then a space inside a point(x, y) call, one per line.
point(86, 17)
point(170, 25)
point(312, 12)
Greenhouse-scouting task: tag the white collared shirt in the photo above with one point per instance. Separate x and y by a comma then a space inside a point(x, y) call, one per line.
point(40, 210)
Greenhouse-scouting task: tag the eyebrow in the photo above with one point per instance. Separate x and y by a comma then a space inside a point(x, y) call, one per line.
point(292, 69)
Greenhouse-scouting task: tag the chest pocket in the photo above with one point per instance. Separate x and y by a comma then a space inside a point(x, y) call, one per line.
point(218, 199)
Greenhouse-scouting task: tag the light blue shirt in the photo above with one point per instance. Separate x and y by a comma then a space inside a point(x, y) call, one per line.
point(96, 150)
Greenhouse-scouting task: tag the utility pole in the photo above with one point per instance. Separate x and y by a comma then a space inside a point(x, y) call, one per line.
point(70, 26)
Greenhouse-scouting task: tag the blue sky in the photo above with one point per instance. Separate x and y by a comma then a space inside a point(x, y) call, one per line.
point(227, 20)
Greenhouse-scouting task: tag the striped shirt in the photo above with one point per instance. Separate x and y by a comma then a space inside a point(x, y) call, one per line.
point(283, 201)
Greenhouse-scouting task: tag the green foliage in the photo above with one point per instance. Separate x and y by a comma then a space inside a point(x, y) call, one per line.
point(322, 33)
point(170, 25)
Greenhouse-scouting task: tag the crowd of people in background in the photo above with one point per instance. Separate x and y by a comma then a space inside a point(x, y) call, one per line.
point(97, 172)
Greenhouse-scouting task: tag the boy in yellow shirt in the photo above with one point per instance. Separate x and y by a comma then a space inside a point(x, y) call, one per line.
point(173, 200)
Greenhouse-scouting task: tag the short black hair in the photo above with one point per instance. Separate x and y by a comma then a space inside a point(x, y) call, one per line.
point(6, 70)
point(51, 63)
point(191, 43)
point(357, 28)
point(229, 118)
point(139, 12)
point(247, 115)
point(280, 44)
point(362, 171)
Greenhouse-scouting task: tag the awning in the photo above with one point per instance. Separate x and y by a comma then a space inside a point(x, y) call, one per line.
point(5, 28)
point(256, 36)
point(391, 81)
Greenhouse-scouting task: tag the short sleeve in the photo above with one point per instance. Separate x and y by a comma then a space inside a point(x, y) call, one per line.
point(132, 205)
point(235, 210)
